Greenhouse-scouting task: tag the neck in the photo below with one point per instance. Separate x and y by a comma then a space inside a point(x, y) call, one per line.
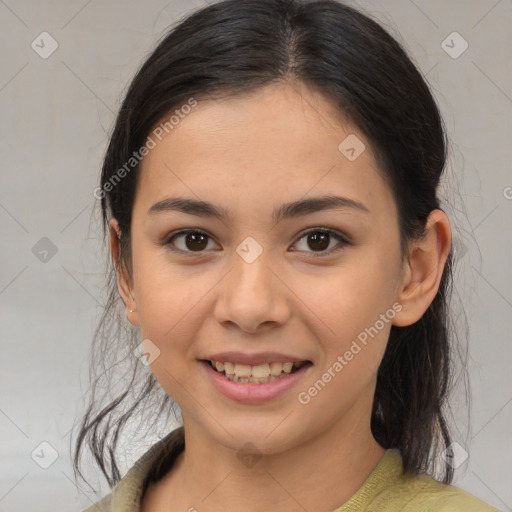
point(319, 474)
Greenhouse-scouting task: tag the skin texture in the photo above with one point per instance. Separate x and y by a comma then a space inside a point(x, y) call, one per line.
point(251, 154)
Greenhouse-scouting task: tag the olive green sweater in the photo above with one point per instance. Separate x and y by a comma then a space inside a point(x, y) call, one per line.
point(385, 489)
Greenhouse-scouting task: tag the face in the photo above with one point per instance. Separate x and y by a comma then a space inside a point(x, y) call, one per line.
point(314, 285)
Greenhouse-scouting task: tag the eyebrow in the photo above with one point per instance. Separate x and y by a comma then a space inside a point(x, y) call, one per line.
point(285, 211)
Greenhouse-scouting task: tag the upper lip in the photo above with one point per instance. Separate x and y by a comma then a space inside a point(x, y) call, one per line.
point(253, 359)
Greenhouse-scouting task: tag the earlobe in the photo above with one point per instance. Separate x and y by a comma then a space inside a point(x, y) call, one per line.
point(424, 269)
point(124, 281)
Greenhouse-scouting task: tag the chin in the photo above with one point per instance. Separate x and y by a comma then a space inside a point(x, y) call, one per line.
point(270, 436)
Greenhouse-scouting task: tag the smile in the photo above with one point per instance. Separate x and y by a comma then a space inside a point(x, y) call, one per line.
point(258, 374)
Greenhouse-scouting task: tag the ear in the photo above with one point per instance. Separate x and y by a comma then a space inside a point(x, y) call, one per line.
point(423, 269)
point(124, 278)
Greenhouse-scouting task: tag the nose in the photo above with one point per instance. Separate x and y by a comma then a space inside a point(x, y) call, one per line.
point(252, 296)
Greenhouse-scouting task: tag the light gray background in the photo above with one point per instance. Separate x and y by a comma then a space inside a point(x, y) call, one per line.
point(56, 114)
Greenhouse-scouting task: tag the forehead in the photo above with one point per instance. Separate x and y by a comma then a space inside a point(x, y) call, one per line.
point(277, 144)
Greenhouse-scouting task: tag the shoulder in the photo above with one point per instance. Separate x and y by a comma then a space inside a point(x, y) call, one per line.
point(104, 505)
point(424, 493)
point(389, 489)
point(150, 466)
point(428, 495)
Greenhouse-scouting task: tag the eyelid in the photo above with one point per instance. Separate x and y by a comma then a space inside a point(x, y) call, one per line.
point(166, 242)
point(342, 238)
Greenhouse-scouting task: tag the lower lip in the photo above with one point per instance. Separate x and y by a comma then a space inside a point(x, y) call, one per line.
point(250, 392)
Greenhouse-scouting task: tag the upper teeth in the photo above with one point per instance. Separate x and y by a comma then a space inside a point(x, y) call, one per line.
point(259, 371)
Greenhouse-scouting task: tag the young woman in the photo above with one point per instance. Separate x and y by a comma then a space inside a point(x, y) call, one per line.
point(270, 195)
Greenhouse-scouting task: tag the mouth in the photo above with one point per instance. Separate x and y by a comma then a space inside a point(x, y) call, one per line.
point(255, 374)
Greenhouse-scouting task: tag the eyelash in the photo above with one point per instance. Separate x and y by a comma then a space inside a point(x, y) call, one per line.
point(343, 241)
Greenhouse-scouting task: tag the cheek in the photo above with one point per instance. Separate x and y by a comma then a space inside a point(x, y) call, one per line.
point(169, 306)
point(353, 295)
point(173, 302)
point(163, 295)
point(354, 302)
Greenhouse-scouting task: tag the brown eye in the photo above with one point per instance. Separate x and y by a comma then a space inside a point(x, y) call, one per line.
point(195, 241)
point(189, 241)
point(319, 240)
